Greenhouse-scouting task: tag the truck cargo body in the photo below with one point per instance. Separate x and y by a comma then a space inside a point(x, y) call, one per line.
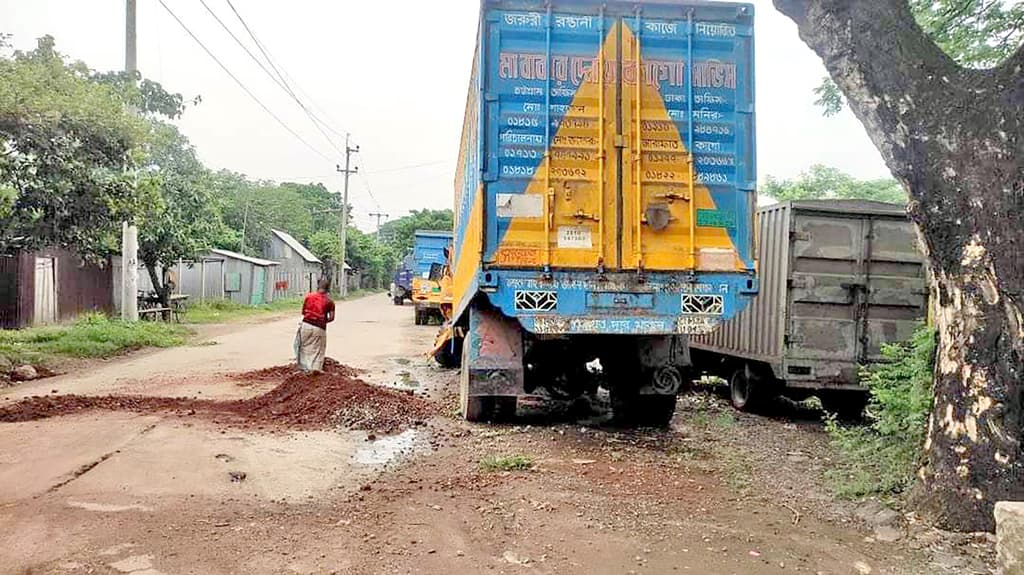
point(606, 178)
point(401, 282)
point(430, 257)
point(838, 280)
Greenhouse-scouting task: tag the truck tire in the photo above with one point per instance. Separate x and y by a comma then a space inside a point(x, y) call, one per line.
point(846, 405)
point(398, 300)
point(747, 393)
point(448, 356)
point(418, 317)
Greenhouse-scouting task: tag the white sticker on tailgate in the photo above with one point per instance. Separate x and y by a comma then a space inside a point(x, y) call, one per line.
point(520, 205)
point(574, 237)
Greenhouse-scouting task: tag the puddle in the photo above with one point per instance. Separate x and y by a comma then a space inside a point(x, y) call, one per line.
point(387, 449)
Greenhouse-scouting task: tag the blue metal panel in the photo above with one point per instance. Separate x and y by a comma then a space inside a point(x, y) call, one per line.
point(428, 249)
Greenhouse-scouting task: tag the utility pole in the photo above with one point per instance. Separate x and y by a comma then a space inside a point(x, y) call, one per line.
point(378, 216)
point(348, 171)
point(130, 233)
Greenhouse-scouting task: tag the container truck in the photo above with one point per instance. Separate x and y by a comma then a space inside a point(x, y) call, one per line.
point(401, 283)
point(604, 198)
point(430, 255)
point(839, 279)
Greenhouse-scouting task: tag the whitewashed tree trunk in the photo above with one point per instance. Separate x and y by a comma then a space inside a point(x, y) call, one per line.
point(955, 138)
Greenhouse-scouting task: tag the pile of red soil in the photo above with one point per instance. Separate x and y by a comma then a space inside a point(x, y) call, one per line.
point(305, 401)
point(279, 372)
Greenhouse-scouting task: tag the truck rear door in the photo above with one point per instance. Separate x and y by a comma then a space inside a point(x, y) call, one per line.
point(592, 118)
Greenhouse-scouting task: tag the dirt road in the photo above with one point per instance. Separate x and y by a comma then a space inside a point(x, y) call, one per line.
point(149, 493)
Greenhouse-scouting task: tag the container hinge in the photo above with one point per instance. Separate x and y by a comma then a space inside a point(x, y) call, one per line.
point(797, 282)
point(791, 339)
point(620, 141)
point(800, 236)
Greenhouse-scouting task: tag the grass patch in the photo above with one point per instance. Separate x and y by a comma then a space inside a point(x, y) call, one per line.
point(881, 458)
point(91, 336)
point(222, 311)
point(506, 463)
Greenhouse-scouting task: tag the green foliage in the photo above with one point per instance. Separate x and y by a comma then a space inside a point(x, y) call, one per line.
point(92, 336)
point(221, 311)
point(882, 458)
point(69, 151)
point(506, 463)
point(146, 96)
point(326, 245)
point(181, 219)
point(399, 233)
point(975, 33)
point(375, 260)
point(826, 183)
point(257, 207)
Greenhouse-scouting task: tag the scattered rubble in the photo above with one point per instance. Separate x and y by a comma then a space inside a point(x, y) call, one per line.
point(334, 398)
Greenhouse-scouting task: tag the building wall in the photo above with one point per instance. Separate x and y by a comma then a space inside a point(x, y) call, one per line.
point(81, 287)
point(294, 276)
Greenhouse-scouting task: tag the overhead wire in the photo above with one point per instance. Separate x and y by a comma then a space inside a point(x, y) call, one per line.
point(241, 84)
point(283, 82)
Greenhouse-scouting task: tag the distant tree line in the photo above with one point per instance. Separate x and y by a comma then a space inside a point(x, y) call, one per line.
point(82, 151)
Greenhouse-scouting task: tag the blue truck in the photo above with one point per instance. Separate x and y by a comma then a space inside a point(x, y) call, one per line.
point(401, 282)
point(604, 198)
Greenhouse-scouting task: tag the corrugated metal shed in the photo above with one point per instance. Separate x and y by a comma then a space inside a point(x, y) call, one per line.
point(298, 271)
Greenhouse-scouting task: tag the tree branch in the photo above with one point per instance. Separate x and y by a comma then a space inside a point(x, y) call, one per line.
point(886, 66)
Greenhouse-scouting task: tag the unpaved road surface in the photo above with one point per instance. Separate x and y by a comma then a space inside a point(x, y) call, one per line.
point(150, 492)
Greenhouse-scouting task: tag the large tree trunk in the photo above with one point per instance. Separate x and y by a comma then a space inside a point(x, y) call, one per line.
point(955, 138)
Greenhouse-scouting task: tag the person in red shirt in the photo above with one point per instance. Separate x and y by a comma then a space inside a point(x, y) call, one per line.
point(311, 339)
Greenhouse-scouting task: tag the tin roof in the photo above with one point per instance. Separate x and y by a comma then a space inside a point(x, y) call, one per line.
point(244, 258)
point(297, 246)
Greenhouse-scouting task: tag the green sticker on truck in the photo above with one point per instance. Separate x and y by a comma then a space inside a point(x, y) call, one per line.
point(716, 219)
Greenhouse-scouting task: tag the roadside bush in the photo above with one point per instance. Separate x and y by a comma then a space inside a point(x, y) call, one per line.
point(881, 457)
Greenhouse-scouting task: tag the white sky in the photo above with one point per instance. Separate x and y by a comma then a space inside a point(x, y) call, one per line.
point(394, 73)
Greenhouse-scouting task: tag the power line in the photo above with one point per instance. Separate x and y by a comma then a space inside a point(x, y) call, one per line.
point(243, 46)
point(241, 85)
point(284, 84)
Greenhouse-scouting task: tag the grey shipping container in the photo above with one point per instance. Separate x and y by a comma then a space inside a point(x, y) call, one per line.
point(839, 278)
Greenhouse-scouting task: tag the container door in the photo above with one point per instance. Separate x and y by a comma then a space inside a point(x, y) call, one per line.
point(894, 301)
point(590, 162)
point(550, 118)
point(688, 187)
point(45, 292)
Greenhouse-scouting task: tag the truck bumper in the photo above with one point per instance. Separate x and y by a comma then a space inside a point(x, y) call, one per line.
point(618, 303)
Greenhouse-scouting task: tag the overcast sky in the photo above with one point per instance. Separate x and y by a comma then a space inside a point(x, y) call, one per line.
point(394, 74)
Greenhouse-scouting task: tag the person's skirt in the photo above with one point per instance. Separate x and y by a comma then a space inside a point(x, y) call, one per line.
point(310, 347)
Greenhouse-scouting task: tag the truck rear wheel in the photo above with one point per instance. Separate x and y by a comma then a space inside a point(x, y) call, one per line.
point(398, 300)
point(746, 392)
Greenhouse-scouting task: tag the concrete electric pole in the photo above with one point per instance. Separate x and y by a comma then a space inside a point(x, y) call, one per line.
point(129, 233)
point(378, 216)
point(348, 171)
